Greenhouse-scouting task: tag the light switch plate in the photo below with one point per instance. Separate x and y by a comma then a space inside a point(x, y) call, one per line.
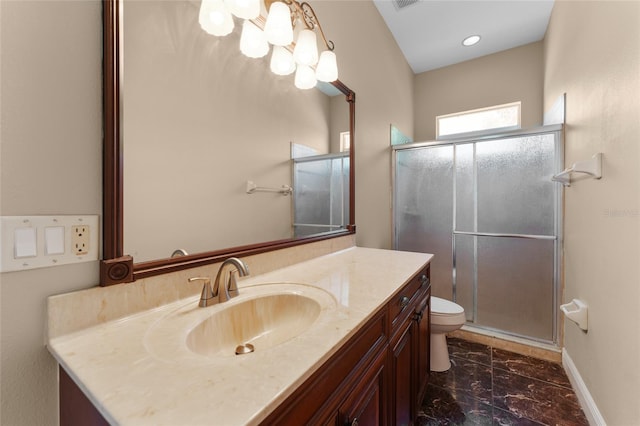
point(54, 240)
point(25, 242)
point(30, 242)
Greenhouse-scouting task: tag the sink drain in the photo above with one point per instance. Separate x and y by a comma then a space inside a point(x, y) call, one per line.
point(247, 348)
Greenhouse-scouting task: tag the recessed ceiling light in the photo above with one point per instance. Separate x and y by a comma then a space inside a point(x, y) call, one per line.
point(471, 40)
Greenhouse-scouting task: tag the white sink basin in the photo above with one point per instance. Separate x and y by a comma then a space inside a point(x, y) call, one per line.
point(263, 316)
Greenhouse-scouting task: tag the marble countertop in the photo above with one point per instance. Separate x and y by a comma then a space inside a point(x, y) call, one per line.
point(126, 370)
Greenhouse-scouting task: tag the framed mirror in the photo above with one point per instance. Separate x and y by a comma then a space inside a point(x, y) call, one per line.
point(208, 155)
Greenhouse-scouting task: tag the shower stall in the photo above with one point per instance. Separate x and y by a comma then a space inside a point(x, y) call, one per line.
point(321, 194)
point(487, 209)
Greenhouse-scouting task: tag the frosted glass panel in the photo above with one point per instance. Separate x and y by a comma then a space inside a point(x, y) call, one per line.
point(424, 209)
point(498, 117)
point(465, 273)
point(321, 195)
point(515, 286)
point(345, 190)
point(465, 188)
point(515, 192)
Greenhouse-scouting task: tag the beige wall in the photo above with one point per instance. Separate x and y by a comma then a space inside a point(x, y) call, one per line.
point(50, 143)
point(509, 76)
point(592, 53)
point(372, 65)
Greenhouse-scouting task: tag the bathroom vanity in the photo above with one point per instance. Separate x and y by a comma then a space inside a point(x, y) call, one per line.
point(364, 359)
point(380, 373)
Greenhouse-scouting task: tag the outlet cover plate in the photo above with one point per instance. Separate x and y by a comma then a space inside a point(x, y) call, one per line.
point(43, 226)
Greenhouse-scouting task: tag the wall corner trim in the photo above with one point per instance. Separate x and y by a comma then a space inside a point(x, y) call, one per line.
point(582, 392)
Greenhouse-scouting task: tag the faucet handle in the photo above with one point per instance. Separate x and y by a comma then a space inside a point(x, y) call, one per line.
point(207, 298)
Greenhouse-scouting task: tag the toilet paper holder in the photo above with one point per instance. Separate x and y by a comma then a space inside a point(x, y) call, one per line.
point(576, 311)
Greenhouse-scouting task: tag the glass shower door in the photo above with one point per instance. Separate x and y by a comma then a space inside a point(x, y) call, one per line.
point(423, 209)
point(496, 203)
point(506, 232)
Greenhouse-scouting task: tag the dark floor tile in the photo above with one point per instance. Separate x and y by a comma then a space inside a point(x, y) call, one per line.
point(470, 351)
point(530, 367)
point(494, 387)
point(447, 407)
point(536, 400)
point(505, 418)
point(465, 377)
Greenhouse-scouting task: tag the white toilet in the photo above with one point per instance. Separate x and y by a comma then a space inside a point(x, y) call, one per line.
point(446, 316)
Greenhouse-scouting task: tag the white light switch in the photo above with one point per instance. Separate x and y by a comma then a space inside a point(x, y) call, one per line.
point(54, 240)
point(24, 243)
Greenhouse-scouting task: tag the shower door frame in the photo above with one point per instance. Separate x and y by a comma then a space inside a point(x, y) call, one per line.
point(558, 131)
point(344, 158)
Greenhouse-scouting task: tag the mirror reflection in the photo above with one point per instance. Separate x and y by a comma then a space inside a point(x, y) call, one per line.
point(202, 125)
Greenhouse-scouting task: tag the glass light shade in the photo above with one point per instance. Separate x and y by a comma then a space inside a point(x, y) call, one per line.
point(278, 28)
point(282, 62)
point(244, 9)
point(214, 18)
point(306, 50)
point(253, 43)
point(305, 77)
point(327, 69)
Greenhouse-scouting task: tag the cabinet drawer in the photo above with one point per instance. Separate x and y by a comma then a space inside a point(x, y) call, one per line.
point(400, 305)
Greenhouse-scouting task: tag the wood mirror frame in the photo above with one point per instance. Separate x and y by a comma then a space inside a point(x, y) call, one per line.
point(116, 267)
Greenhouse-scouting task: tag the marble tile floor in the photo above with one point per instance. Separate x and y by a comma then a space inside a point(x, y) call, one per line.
point(488, 386)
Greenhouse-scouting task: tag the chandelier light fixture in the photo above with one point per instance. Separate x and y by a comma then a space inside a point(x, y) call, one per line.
point(285, 19)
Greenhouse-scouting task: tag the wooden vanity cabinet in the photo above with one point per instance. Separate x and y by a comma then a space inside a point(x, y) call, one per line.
point(75, 407)
point(386, 385)
point(423, 347)
point(409, 347)
point(402, 412)
point(351, 383)
point(366, 403)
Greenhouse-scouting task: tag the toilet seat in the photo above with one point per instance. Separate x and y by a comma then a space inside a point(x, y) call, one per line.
point(445, 307)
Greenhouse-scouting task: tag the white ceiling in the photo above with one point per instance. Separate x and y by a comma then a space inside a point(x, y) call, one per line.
point(430, 32)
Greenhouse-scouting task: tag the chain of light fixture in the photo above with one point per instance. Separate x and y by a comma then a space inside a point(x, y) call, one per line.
point(283, 15)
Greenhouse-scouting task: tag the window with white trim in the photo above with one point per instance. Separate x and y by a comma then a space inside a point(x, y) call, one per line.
point(345, 141)
point(479, 121)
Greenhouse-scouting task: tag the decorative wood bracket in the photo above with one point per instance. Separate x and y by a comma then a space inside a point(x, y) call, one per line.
point(116, 271)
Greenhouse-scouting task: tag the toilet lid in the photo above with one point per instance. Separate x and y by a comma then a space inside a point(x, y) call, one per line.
point(442, 306)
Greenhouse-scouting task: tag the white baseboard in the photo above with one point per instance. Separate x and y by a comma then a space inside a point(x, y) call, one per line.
point(584, 397)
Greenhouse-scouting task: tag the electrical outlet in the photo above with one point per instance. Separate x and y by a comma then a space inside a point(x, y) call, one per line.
point(80, 239)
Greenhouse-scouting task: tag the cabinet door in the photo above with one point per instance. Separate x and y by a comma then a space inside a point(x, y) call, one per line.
point(423, 340)
point(402, 377)
point(366, 404)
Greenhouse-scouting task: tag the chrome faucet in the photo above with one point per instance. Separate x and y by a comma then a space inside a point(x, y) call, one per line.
point(230, 288)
